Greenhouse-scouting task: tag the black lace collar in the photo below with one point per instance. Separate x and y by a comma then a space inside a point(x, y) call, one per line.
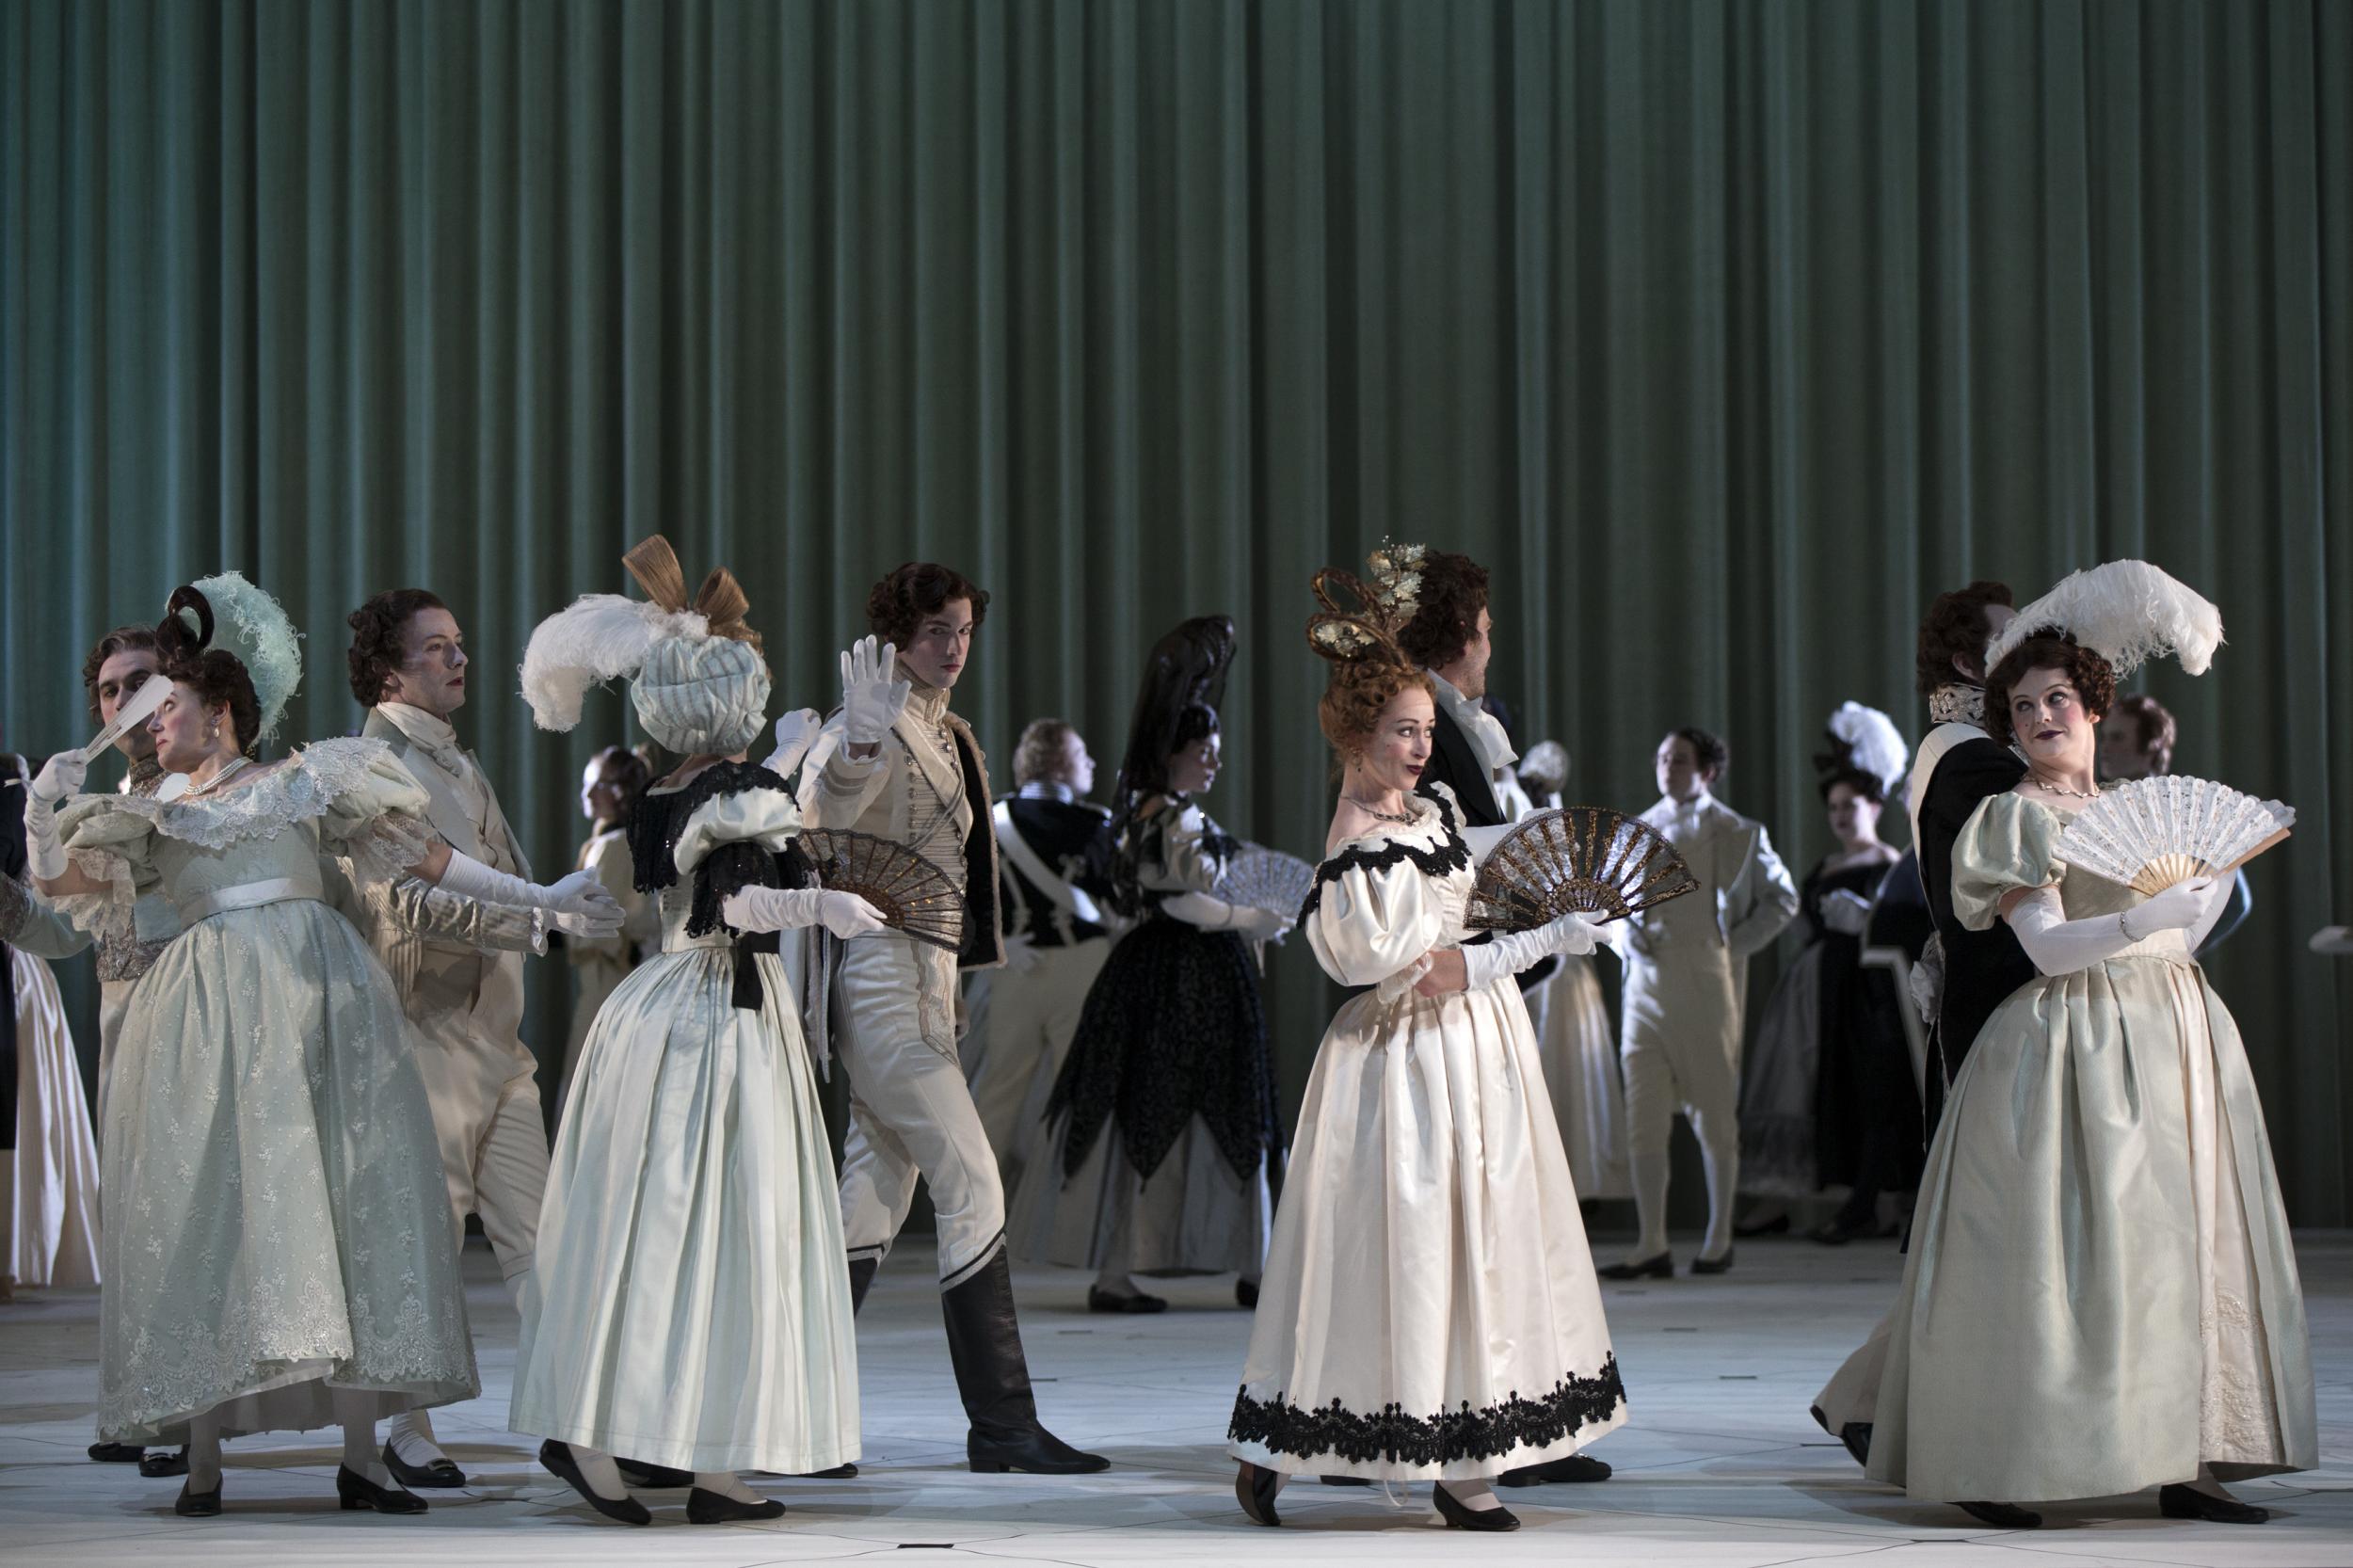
point(661, 816)
point(1448, 855)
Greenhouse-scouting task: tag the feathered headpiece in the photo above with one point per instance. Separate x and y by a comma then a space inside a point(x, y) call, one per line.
point(225, 611)
point(1544, 771)
point(2127, 611)
point(1867, 739)
point(698, 681)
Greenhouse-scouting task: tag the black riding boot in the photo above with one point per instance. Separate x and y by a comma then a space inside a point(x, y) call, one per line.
point(993, 1376)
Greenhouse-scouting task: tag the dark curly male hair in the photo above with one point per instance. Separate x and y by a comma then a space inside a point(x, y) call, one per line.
point(1708, 750)
point(1954, 625)
point(2093, 678)
point(918, 588)
point(376, 626)
point(122, 639)
point(1453, 591)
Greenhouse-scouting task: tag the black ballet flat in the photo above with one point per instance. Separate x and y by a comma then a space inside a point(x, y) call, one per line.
point(357, 1491)
point(198, 1505)
point(1100, 1300)
point(653, 1478)
point(117, 1453)
point(1714, 1265)
point(1661, 1267)
point(1254, 1488)
point(2187, 1502)
point(1460, 1518)
point(160, 1465)
point(839, 1472)
point(442, 1473)
point(1777, 1225)
point(558, 1457)
point(1345, 1481)
point(2008, 1516)
point(1575, 1469)
point(710, 1507)
point(1246, 1294)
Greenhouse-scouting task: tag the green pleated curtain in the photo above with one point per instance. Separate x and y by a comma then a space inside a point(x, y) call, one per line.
point(1725, 333)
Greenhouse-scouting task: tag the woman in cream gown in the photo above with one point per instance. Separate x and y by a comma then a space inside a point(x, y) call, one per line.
point(2101, 1294)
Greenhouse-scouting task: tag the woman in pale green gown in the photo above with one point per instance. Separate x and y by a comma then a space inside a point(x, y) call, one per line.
point(2101, 1294)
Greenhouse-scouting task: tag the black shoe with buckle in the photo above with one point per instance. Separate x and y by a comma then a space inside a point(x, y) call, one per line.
point(443, 1472)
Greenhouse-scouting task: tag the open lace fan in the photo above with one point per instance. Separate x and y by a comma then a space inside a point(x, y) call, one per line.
point(1268, 879)
point(2153, 833)
point(910, 893)
point(1584, 861)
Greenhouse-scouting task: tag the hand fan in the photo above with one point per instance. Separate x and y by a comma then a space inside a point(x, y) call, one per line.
point(1262, 878)
point(2151, 833)
point(1584, 861)
point(912, 894)
point(137, 710)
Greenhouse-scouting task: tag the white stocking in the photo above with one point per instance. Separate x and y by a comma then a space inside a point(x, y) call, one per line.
point(1473, 1494)
point(727, 1485)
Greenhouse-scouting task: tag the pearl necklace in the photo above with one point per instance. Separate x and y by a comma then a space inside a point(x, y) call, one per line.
point(231, 771)
point(2043, 783)
point(1379, 815)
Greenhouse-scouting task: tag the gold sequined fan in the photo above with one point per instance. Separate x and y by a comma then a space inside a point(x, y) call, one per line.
point(911, 894)
point(1583, 860)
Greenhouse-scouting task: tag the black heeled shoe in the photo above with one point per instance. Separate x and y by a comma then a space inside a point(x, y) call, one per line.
point(2187, 1502)
point(117, 1453)
point(159, 1464)
point(1460, 1518)
point(197, 1505)
point(1036, 1451)
point(1714, 1265)
point(653, 1478)
point(1777, 1225)
point(1100, 1300)
point(357, 1491)
point(1254, 1488)
point(2008, 1516)
point(710, 1507)
point(443, 1472)
point(1661, 1267)
point(1246, 1294)
point(1575, 1469)
point(558, 1457)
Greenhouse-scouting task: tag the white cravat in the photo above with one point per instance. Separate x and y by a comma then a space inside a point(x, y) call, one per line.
point(1484, 730)
point(433, 736)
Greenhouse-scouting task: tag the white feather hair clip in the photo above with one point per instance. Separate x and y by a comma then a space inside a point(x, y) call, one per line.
point(1872, 740)
point(2127, 611)
point(599, 637)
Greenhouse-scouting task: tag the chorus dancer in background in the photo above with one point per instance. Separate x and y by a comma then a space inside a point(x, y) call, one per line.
point(278, 1253)
point(610, 788)
point(1162, 1128)
point(2100, 1222)
point(1430, 1310)
point(694, 1318)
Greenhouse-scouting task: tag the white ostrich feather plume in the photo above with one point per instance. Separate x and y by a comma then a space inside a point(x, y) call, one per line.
point(1873, 741)
point(598, 638)
point(2128, 612)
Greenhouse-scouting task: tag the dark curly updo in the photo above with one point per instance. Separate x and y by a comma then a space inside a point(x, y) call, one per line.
point(2093, 678)
point(1446, 619)
point(376, 628)
point(901, 601)
point(215, 674)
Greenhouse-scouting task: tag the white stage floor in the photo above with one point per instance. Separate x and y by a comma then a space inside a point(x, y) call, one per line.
point(1719, 1465)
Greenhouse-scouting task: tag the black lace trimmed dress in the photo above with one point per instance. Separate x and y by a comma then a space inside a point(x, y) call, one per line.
point(1163, 1123)
point(1428, 1309)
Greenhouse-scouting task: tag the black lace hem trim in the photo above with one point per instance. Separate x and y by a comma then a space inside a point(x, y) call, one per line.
point(654, 829)
point(1451, 1436)
point(1449, 854)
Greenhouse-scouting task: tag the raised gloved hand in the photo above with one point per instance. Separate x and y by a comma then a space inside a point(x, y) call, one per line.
point(1510, 952)
point(796, 731)
point(873, 695)
point(580, 893)
point(60, 777)
point(846, 915)
point(1845, 913)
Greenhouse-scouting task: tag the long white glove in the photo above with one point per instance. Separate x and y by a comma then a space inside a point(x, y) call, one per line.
point(2057, 945)
point(1215, 914)
point(580, 893)
point(1485, 963)
point(60, 777)
point(1847, 914)
point(595, 924)
point(845, 915)
point(1404, 981)
point(796, 731)
point(873, 695)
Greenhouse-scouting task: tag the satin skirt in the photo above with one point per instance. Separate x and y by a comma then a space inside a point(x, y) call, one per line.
point(694, 1310)
point(53, 1237)
point(1429, 1308)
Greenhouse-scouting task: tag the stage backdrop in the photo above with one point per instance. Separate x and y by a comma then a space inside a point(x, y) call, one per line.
point(1727, 334)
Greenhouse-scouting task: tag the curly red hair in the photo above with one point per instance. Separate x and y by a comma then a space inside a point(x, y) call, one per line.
point(1358, 691)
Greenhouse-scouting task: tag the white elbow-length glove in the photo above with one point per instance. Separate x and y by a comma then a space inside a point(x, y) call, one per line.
point(796, 731)
point(1404, 981)
point(2057, 945)
point(873, 695)
point(1215, 914)
point(1485, 963)
point(580, 904)
point(846, 915)
point(1847, 914)
point(60, 777)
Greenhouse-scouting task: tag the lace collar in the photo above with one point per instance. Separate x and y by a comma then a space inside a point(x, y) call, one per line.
point(298, 790)
point(1957, 703)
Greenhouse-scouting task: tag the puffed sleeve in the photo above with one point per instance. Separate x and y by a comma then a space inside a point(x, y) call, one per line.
point(733, 841)
point(108, 838)
point(1367, 920)
point(373, 812)
point(2008, 843)
point(1193, 851)
point(30, 923)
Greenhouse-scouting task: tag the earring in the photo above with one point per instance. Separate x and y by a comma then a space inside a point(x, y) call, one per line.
point(214, 732)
